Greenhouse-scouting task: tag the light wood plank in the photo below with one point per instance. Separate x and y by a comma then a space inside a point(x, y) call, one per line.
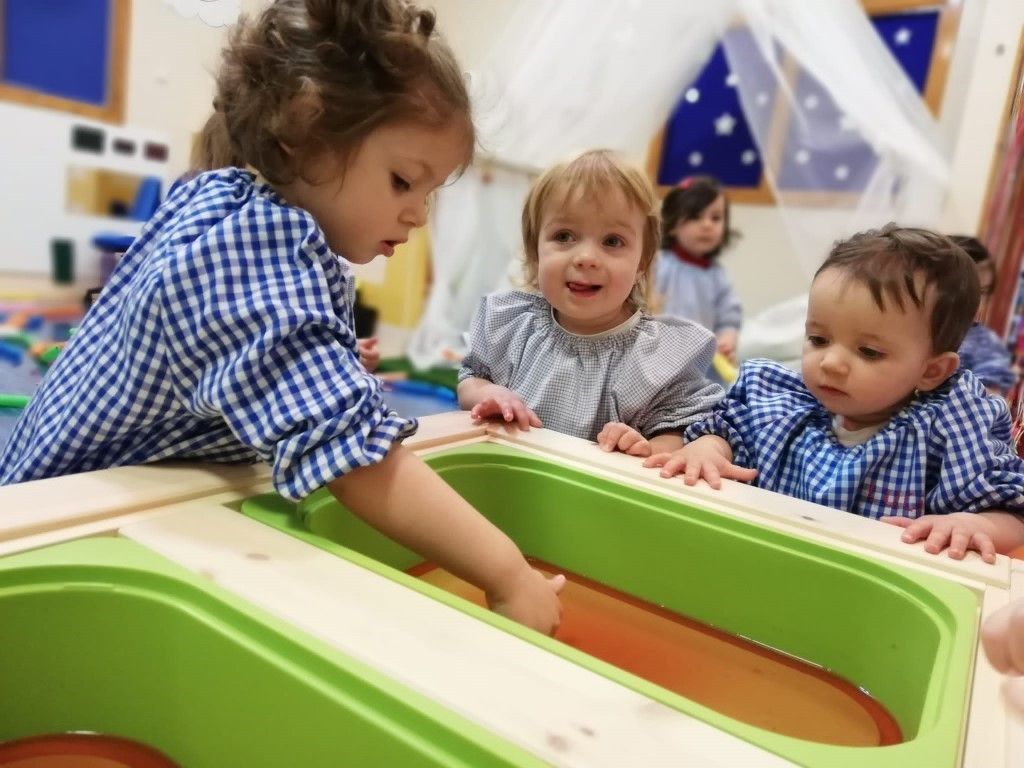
point(557, 710)
point(32, 508)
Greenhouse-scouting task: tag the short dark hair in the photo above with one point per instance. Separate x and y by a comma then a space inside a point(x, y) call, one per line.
point(983, 261)
point(973, 247)
point(686, 200)
point(888, 261)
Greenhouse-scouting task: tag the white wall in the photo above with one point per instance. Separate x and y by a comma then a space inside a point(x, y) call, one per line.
point(170, 72)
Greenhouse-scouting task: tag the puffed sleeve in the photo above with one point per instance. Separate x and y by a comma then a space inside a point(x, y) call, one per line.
point(978, 469)
point(477, 362)
point(258, 332)
point(498, 334)
point(764, 393)
point(728, 309)
point(687, 396)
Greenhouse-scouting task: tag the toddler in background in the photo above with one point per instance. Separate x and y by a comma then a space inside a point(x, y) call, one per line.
point(578, 353)
point(226, 332)
point(687, 277)
point(882, 423)
point(982, 352)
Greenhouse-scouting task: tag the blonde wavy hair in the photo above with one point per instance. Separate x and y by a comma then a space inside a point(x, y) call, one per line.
point(589, 177)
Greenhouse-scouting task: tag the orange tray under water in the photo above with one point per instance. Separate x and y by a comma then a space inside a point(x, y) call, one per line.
point(733, 676)
point(80, 750)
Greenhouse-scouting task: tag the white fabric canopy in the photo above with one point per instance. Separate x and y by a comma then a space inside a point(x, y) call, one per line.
point(566, 75)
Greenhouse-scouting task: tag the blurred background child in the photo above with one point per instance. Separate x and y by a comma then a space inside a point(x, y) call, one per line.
point(983, 353)
point(688, 277)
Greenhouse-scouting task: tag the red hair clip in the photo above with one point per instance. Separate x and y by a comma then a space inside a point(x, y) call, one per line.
point(685, 183)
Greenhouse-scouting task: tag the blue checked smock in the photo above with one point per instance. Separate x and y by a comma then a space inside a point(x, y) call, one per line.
point(985, 355)
point(947, 451)
point(224, 334)
point(647, 373)
point(702, 294)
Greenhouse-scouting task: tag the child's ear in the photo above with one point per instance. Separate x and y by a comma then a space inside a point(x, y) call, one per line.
point(938, 369)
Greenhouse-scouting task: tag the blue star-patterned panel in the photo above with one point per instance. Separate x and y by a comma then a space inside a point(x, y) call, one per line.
point(708, 133)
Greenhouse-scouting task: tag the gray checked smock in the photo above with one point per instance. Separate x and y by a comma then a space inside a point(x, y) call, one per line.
point(647, 372)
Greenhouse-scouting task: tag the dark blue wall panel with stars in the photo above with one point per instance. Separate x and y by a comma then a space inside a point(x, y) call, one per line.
point(707, 132)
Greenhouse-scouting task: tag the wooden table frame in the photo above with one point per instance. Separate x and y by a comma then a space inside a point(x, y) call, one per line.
point(186, 512)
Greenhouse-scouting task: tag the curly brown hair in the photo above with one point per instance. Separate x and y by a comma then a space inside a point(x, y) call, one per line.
point(308, 76)
point(890, 261)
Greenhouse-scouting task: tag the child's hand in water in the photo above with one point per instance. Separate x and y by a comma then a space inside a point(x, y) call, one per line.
point(708, 457)
point(1002, 636)
point(531, 599)
point(617, 436)
point(959, 531)
point(503, 403)
point(369, 355)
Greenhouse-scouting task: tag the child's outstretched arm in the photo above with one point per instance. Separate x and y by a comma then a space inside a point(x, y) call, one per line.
point(708, 457)
point(1002, 636)
point(484, 399)
point(987, 532)
point(408, 502)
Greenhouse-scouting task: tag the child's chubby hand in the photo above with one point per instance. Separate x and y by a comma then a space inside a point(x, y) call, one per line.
point(1002, 636)
point(531, 599)
point(617, 436)
point(708, 457)
point(726, 342)
point(369, 355)
point(501, 402)
point(957, 531)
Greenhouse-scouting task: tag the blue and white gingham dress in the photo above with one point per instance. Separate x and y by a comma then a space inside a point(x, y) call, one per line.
point(648, 373)
point(948, 451)
point(985, 355)
point(225, 334)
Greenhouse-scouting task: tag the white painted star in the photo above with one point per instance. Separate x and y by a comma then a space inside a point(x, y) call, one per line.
point(724, 124)
point(692, 95)
point(748, 157)
point(695, 158)
point(902, 36)
point(761, 99)
point(732, 80)
point(842, 172)
point(802, 156)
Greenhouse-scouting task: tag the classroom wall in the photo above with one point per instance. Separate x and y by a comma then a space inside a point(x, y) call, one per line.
point(168, 91)
point(170, 86)
point(170, 72)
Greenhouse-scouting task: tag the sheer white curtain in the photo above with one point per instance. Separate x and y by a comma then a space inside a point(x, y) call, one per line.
point(475, 231)
point(566, 75)
point(831, 109)
point(563, 76)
